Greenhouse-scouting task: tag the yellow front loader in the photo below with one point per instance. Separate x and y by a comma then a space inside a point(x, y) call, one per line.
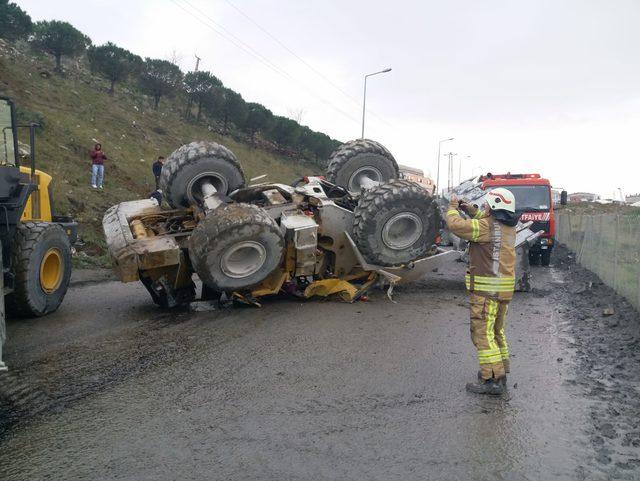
point(35, 242)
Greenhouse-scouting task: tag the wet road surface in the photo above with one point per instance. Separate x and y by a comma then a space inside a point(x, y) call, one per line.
point(110, 387)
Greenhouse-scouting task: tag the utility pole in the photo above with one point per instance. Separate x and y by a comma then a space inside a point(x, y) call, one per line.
point(364, 98)
point(451, 155)
point(197, 62)
point(438, 175)
point(450, 179)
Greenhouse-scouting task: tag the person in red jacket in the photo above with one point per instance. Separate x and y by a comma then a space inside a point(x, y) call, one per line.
point(97, 167)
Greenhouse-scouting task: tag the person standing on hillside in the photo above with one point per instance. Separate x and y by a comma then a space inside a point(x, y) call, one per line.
point(157, 170)
point(490, 279)
point(97, 167)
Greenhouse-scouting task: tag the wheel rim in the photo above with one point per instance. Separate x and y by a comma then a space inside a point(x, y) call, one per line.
point(357, 179)
point(402, 230)
point(243, 259)
point(194, 188)
point(51, 270)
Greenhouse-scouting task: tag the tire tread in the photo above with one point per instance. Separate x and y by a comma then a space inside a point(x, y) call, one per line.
point(185, 155)
point(395, 192)
point(350, 149)
point(229, 221)
point(28, 236)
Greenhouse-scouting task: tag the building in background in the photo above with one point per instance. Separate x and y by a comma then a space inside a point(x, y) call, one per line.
point(583, 197)
point(417, 175)
point(632, 199)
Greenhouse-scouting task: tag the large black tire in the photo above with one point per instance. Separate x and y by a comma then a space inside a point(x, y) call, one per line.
point(545, 257)
point(187, 167)
point(358, 158)
point(38, 250)
point(395, 223)
point(235, 247)
point(534, 258)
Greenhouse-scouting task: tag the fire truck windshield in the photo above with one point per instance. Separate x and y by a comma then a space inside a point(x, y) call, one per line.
point(531, 197)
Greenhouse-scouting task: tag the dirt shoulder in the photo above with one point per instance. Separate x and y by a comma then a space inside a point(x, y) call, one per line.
point(607, 368)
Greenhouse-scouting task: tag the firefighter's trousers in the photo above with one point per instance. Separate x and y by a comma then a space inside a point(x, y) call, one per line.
point(487, 334)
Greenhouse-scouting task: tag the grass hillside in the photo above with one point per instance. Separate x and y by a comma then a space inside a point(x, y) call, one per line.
point(75, 111)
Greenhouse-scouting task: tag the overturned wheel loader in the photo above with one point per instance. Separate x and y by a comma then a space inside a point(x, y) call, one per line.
point(340, 235)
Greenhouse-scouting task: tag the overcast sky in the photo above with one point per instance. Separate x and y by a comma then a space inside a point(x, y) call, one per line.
point(549, 86)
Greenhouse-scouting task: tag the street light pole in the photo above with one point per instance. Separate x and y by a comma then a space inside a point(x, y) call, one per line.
point(438, 176)
point(364, 98)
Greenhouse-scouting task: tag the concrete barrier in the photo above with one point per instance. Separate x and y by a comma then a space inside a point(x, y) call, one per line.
point(607, 244)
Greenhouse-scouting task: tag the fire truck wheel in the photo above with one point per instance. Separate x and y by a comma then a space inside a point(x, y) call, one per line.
point(545, 258)
point(235, 247)
point(41, 260)
point(395, 223)
point(534, 258)
point(190, 166)
point(354, 162)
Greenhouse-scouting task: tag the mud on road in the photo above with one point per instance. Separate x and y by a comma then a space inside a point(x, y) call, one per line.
point(606, 349)
point(110, 387)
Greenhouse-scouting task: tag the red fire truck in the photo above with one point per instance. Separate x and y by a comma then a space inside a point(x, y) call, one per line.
point(533, 203)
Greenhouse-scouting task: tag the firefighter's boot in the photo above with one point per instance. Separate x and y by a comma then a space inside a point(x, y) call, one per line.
point(494, 387)
point(502, 380)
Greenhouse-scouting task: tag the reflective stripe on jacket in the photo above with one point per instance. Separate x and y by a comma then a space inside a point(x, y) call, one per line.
point(492, 254)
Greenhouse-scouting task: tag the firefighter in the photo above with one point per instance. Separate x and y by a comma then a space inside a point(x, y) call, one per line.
point(490, 280)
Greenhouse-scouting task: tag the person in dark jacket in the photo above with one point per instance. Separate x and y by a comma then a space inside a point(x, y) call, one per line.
point(157, 170)
point(157, 195)
point(97, 167)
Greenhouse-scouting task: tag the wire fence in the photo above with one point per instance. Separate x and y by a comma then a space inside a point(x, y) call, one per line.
point(606, 244)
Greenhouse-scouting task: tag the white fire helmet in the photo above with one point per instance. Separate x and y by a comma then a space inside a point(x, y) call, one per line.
point(501, 199)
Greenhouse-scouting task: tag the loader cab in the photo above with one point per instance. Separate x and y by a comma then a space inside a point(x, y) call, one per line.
point(36, 243)
point(9, 138)
point(16, 176)
point(16, 182)
point(9, 155)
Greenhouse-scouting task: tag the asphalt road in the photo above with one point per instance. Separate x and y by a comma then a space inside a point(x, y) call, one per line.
point(110, 387)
